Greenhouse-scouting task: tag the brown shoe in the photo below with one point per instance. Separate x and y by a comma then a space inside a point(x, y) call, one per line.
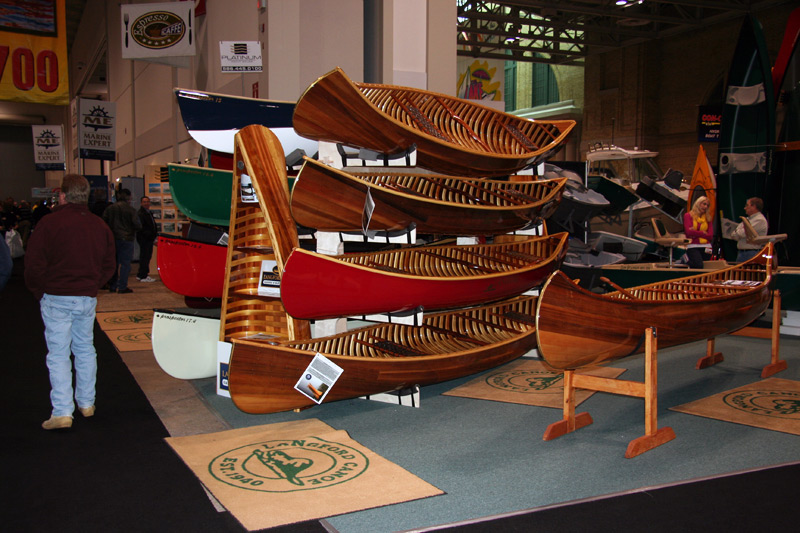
point(57, 422)
point(87, 411)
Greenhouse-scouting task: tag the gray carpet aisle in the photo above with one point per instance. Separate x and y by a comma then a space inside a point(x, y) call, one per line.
point(489, 457)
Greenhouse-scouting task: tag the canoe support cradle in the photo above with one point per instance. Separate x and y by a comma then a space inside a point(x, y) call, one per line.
point(776, 365)
point(648, 390)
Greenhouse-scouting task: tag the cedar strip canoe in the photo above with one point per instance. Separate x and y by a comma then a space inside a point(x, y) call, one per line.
point(432, 203)
point(451, 135)
point(577, 328)
point(384, 357)
point(191, 268)
point(491, 276)
point(317, 286)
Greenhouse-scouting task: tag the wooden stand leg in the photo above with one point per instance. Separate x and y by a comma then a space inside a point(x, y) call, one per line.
point(571, 422)
point(653, 436)
point(711, 357)
point(776, 365)
point(648, 390)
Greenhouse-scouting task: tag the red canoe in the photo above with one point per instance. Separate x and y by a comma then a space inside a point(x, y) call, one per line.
point(191, 268)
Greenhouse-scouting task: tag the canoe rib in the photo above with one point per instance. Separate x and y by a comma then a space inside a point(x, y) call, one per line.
point(451, 135)
point(682, 310)
point(434, 204)
point(384, 357)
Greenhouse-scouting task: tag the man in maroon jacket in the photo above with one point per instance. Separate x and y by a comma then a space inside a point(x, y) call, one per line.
point(70, 256)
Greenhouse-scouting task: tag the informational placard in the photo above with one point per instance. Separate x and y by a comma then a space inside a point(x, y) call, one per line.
point(96, 129)
point(157, 30)
point(708, 123)
point(318, 378)
point(240, 56)
point(33, 52)
point(270, 284)
point(48, 147)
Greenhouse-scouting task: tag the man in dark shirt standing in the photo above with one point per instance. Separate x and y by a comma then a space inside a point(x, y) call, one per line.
point(69, 257)
point(122, 220)
point(145, 237)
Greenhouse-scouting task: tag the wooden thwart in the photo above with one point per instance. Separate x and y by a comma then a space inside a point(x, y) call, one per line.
point(648, 389)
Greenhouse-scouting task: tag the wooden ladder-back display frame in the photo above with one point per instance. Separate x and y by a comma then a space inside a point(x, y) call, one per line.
point(258, 232)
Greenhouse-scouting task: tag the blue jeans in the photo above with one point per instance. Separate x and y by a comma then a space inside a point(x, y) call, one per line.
point(744, 255)
point(69, 327)
point(124, 258)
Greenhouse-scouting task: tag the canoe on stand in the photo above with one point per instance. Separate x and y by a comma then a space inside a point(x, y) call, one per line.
point(212, 119)
point(191, 268)
point(384, 357)
point(203, 194)
point(431, 276)
point(451, 135)
point(430, 203)
point(571, 334)
point(317, 286)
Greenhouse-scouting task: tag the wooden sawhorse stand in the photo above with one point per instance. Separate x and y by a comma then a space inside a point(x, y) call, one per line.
point(648, 390)
point(776, 365)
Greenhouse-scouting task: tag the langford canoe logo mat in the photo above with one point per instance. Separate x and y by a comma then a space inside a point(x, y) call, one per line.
point(138, 337)
point(135, 318)
point(773, 403)
point(289, 465)
point(525, 380)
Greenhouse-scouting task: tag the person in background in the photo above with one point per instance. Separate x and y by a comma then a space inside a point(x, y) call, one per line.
point(697, 227)
point(8, 215)
point(753, 209)
point(70, 256)
point(6, 264)
point(24, 214)
point(124, 223)
point(145, 237)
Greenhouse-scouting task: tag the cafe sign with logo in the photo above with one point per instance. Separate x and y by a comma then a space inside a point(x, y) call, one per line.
point(157, 30)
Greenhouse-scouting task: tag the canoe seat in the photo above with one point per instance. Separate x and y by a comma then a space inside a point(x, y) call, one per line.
point(665, 238)
point(761, 240)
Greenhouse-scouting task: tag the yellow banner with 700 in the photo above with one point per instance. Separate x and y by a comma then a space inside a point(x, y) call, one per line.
point(33, 52)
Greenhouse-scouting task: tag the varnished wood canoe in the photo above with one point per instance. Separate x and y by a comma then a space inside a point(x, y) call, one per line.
point(451, 135)
point(329, 199)
point(191, 268)
point(316, 286)
point(385, 357)
point(576, 328)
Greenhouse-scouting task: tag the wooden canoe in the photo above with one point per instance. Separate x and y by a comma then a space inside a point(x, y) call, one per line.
point(747, 134)
point(384, 357)
point(191, 268)
point(451, 135)
point(317, 286)
point(329, 199)
point(577, 328)
point(212, 119)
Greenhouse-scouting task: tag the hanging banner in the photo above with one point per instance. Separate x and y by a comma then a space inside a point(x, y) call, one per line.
point(96, 129)
point(157, 30)
point(48, 147)
point(33, 52)
point(240, 56)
